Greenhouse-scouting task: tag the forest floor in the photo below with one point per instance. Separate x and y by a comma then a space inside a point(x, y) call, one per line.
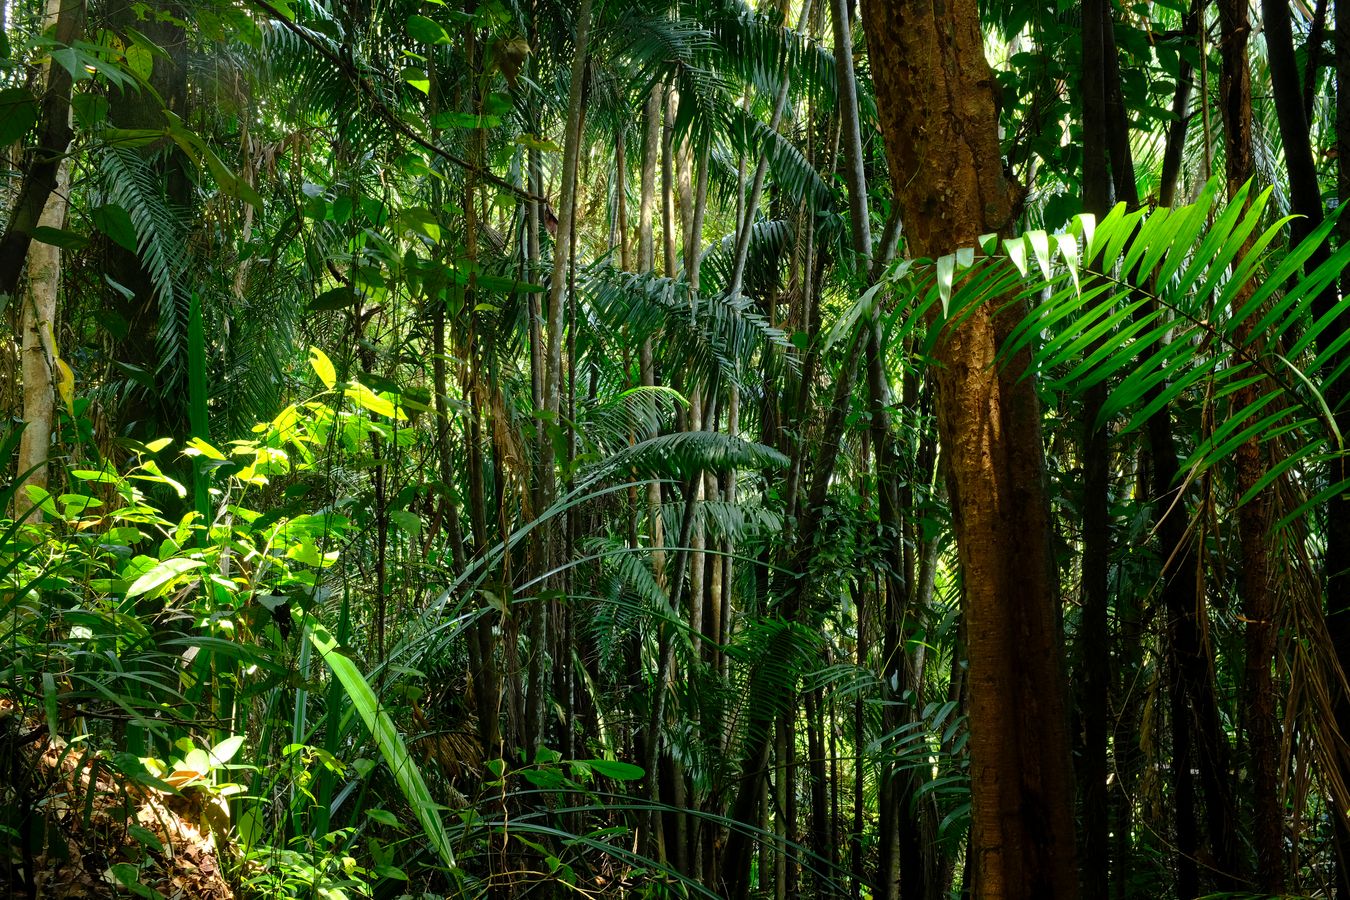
point(93, 833)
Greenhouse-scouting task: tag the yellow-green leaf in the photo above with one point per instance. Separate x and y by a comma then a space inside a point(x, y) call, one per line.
point(365, 398)
point(323, 367)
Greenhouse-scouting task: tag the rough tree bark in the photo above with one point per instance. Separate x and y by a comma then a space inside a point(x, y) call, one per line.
point(935, 97)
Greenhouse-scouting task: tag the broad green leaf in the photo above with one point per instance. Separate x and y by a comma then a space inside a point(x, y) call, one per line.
point(65, 381)
point(337, 298)
point(146, 837)
point(530, 142)
point(225, 751)
point(427, 31)
point(94, 476)
point(323, 367)
point(365, 398)
point(407, 522)
point(619, 771)
point(384, 817)
point(199, 447)
point(1016, 248)
point(39, 497)
point(115, 222)
point(18, 113)
point(56, 237)
point(162, 574)
point(1040, 245)
point(417, 78)
point(1068, 248)
point(1088, 222)
point(50, 702)
point(128, 876)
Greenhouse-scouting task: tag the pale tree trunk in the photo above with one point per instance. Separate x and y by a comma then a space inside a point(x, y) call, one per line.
point(651, 152)
point(936, 103)
point(38, 355)
point(38, 361)
point(562, 247)
point(672, 99)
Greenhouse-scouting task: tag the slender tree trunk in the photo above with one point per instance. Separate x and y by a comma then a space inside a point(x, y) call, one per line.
point(145, 312)
point(553, 372)
point(651, 152)
point(1181, 102)
point(1337, 573)
point(621, 197)
point(935, 98)
point(1259, 712)
point(668, 227)
point(39, 356)
point(652, 149)
point(1094, 633)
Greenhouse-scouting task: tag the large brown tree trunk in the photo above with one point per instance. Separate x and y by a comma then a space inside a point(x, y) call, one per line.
point(935, 98)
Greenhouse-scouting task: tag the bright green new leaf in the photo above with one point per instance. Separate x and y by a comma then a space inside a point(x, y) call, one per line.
point(225, 751)
point(365, 398)
point(163, 574)
point(946, 271)
point(199, 447)
point(323, 367)
point(1040, 245)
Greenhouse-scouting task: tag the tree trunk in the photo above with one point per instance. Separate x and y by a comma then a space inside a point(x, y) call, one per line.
point(1094, 634)
point(1254, 517)
point(562, 247)
point(1338, 508)
point(145, 313)
point(936, 103)
point(54, 136)
point(553, 368)
point(39, 356)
